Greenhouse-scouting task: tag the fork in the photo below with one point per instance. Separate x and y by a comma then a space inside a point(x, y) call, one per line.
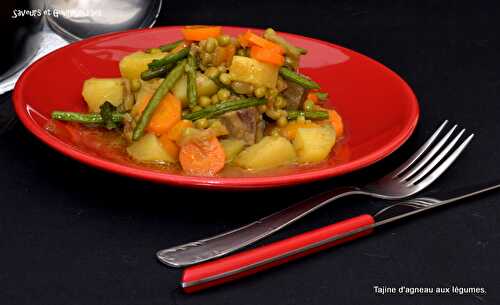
point(428, 163)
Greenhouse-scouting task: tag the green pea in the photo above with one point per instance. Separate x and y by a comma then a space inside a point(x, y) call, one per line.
point(271, 93)
point(280, 102)
point(260, 92)
point(203, 44)
point(308, 105)
point(135, 85)
point(223, 40)
point(204, 101)
point(206, 58)
point(282, 121)
point(225, 78)
point(262, 108)
point(212, 72)
point(211, 45)
point(241, 52)
point(273, 114)
point(223, 94)
point(281, 84)
point(242, 88)
point(215, 99)
point(201, 123)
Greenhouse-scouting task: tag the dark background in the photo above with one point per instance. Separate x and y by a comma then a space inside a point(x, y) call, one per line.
point(70, 234)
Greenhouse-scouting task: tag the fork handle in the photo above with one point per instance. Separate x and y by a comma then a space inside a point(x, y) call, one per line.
point(213, 247)
point(249, 262)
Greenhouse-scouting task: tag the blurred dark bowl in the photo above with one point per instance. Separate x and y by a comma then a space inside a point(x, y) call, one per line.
point(15, 32)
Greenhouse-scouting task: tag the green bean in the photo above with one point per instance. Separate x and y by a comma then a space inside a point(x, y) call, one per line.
point(322, 95)
point(221, 108)
point(170, 46)
point(86, 118)
point(192, 90)
point(162, 90)
point(290, 49)
point(158, 63)
point(166, 47)
point(309, 115)
point(299, 79)
point(153, 73)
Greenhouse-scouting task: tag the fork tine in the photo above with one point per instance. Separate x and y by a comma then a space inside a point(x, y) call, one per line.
point(428, 156)
point(444, 166)
point(436, 160)
point(419, 152)
point(422, 202)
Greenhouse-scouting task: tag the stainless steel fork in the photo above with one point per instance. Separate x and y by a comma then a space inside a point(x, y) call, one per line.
point(424, 167)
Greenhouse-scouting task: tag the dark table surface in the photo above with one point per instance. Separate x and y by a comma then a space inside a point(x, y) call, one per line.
point(71, 234)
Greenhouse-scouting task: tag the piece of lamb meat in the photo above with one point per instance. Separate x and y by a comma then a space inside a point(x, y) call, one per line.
point(295, 95)
point(244, 124)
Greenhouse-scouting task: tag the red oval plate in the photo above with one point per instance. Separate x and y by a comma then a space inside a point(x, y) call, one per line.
point(379, 109)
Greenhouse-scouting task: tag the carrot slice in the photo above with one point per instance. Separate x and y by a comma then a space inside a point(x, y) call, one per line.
point(202, 157)
point(267, 55)
point(170, 147)
point(243, 41)
point(200, 32)
point(290, 130)
point(336, 122)
point(175, 133)
point(166, 115)
point(224, 55)
point(230, 50)
point(253, 39)
point(313, 97)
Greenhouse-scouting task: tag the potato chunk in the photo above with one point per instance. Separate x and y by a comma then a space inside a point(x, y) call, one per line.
point(314, 144)
point(205, 87)
point(149, 149)
point(270, 152)
point(232, 147)
point(96, 91)
point(132, 65)
point(249, 70)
